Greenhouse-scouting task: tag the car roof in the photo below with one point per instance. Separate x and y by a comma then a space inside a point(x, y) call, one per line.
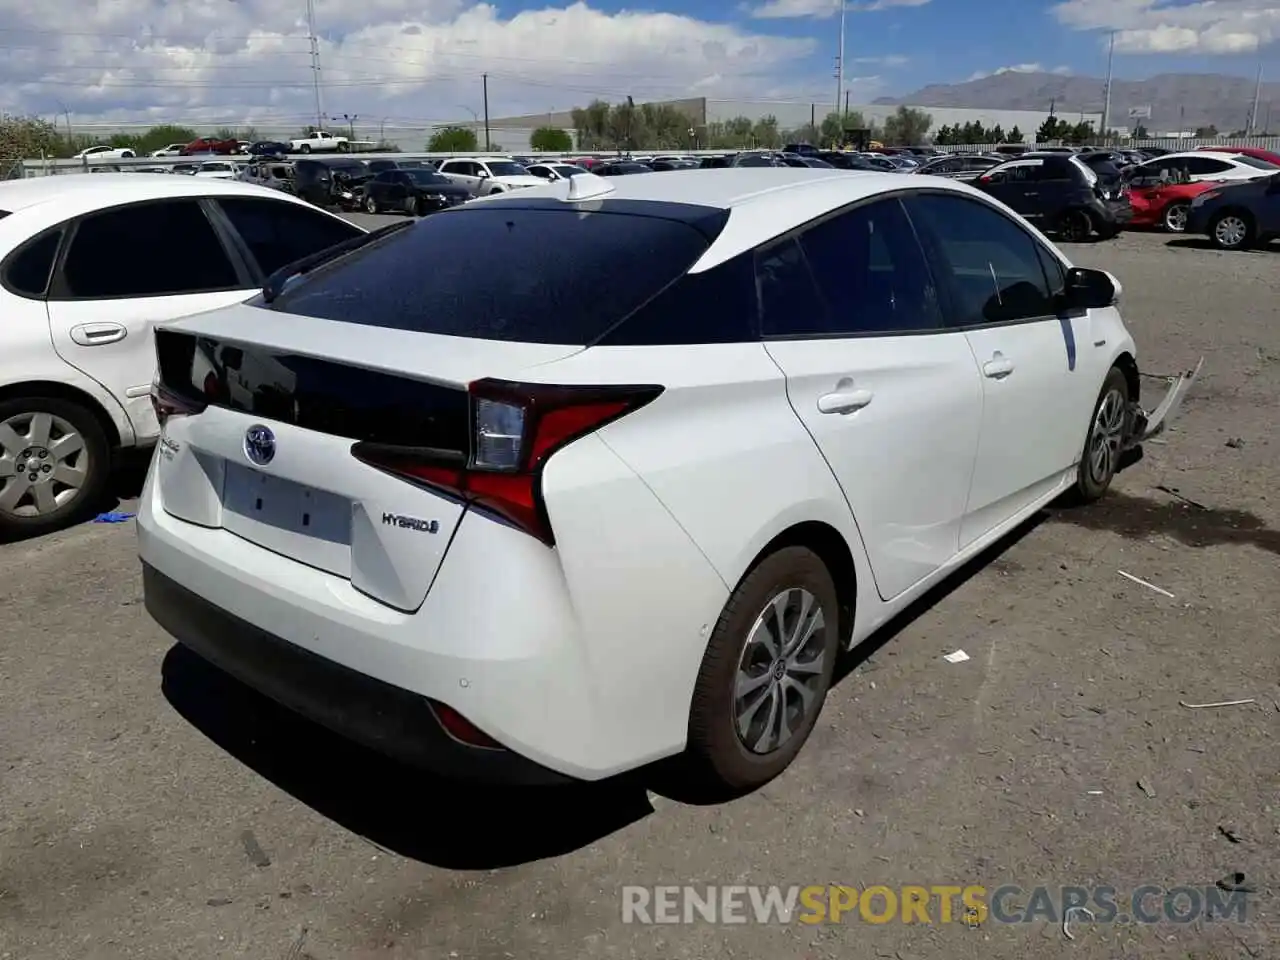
point(764, 202)
point(1227, 155)
point(70, 195)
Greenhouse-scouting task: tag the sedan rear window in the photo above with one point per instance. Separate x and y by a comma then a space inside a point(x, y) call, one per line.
point(536, 275)
point(1255, 162)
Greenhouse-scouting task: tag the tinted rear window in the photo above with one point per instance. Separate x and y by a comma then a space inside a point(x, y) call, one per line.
point(548, 275)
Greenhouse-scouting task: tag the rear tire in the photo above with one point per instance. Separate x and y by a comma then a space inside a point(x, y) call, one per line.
point(305, 148)
point(1074, 226)
point(411, 206)
point(1108, 429)
point(64, 447)
point(370, 205)
point(756, 701)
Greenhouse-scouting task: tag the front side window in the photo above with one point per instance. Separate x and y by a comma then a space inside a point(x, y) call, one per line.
point(278, 232)
point(147, 250)
point(991, 264)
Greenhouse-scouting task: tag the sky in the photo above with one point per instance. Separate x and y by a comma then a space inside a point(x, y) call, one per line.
point(404, 62)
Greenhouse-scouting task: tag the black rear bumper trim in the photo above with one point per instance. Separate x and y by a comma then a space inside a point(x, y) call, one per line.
point(389, 719)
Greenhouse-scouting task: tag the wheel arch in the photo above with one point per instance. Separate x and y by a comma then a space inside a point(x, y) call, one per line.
point(62, 391)
point(1129, 367)
point(834, 551)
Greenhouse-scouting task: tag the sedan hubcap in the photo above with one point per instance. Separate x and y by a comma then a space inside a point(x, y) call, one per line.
point(1106, 438)
point(1230, 231)
point(1176, 220)
point(43, 464)
point(780, 672)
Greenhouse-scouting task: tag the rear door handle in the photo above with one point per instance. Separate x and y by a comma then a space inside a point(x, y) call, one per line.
point(95, 334)
point(844, 401)
point(998, 367)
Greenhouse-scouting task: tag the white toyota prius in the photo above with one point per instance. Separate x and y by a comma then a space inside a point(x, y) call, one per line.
point(624, 474)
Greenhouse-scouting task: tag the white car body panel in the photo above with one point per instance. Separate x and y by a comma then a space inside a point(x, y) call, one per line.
point(583, 656)
point(1237, 170)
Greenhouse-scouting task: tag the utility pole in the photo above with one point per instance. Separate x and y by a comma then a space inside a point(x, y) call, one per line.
point(485, 80)
point(315, 61)
point(1106, 102)
point(351, 119)
point(840, 64)
point(845, 118)
point(1257, 95)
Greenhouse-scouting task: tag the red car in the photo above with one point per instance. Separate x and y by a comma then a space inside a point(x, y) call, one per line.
point(211, 145)
point(1256, 152)
point(1163, 204)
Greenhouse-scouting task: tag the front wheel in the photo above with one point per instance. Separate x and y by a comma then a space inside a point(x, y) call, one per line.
point(1105, 442)
point(1231, 231)
point(54, 464)
point(765, 673)
point(411, 206)
point(1175, 217)
point(370, 205)
point(344, 147)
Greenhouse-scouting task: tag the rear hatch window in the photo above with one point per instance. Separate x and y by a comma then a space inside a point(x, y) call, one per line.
point(554, 274)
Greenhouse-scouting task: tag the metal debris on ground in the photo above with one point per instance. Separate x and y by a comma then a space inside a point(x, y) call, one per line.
point(1146, 788)
point(1219, 703)
point(1236, 883)
point(253, 850)
point(1141, 582)
point(1235, 443)
point(1066, 919)
point(958, 656)
point(1173, 492)
point(1230, 833)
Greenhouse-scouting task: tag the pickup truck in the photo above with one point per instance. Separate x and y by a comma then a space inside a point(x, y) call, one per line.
point(319, 141)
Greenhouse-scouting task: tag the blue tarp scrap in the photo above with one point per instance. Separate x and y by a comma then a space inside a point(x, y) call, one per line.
point(112, 517)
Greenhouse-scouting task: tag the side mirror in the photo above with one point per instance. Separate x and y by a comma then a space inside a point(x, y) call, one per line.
point(483, 174)
point(1091, 289)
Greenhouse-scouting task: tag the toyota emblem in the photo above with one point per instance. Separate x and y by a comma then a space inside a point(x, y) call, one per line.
point(260, 444)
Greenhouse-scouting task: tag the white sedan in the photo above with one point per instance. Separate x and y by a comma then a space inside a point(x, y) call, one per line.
point(88, 267)
point(624, 474)
point(103, 152)
point(1200, 165)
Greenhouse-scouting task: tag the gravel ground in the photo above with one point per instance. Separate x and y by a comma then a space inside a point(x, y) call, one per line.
point(149, 807)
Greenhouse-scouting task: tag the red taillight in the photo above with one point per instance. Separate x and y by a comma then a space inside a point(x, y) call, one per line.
point(515, 428)
point(462, 729)
point(168, 405)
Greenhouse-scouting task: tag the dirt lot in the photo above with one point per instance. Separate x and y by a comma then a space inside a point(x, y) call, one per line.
point(151, 808)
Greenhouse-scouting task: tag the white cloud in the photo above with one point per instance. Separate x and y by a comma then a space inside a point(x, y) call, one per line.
point(1016, 68)
point(1162, 26)
point(822, 9)
point(392, 61)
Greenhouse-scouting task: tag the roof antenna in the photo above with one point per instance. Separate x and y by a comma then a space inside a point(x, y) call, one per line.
point(588, 186)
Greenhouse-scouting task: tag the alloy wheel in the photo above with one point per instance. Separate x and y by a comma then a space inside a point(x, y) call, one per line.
point(1175, 218)
point(1106, 438)
point(1230, 231)
point(44, 464)
point(780, 673)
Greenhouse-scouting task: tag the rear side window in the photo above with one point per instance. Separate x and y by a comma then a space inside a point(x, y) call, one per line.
point(494, 272)
point(712, 306)
point(278, 233)
point(28, 270)
point(147, 250)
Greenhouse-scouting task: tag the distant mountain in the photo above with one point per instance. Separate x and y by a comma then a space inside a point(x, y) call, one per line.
point(1177, 100)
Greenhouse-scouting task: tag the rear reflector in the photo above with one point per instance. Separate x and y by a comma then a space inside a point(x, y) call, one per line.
point(462, 729)
point(516, 427)
point(168, 404)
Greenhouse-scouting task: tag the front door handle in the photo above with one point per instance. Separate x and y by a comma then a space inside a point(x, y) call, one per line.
point(998, 367)
point(95, 334)
point(844, 401)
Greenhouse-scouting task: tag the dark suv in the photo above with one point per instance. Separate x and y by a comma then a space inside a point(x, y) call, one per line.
point(1059, 193)
point(328, 183)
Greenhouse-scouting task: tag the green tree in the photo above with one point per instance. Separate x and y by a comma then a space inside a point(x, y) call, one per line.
point(805, 134)
point(1205, 133)
point(591, 124)
point(27, 138)
point(942, 136)
point(996, 134)
point(157, 138)
point(453, 140)
point(765, 133)
point(551, 140)
point(1051, 129)
point(1140, 132)
point(1014, 135)
point(907, 126)
point(1077, 133)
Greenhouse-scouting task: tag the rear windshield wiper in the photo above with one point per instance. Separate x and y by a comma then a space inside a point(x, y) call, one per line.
point(275, 283)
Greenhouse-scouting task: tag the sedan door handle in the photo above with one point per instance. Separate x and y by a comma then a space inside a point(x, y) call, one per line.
point(94, 334)
point(998, 367)
point(844, 401)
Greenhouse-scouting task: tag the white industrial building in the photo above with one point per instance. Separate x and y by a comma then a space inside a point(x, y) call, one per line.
point(512, 134)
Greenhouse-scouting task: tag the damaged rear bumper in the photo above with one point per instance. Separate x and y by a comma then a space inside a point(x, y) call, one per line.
point(1146, 425)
